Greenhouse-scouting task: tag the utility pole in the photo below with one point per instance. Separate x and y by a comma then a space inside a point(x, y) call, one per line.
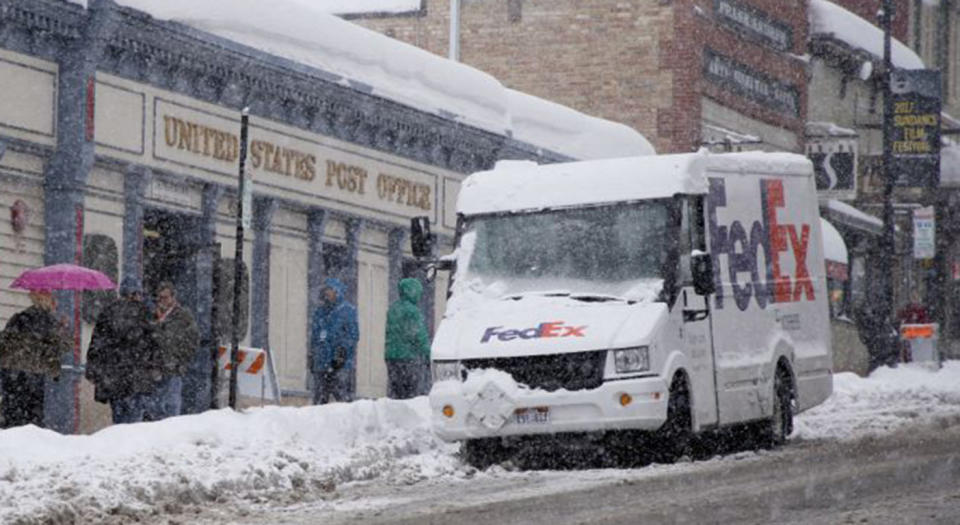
point(885, 263)
point(243, 211)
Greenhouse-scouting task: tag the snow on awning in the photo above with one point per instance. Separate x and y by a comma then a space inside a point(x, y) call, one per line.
point(834, 251)
point(827, 18)
point(559, 128)
point(845, 214)
point(828, 129)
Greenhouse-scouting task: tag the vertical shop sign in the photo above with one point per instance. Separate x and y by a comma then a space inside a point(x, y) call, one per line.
point(916, 127)
point(923, 233)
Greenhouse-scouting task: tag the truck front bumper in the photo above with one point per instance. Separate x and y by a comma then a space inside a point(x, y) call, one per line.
point(494, 413)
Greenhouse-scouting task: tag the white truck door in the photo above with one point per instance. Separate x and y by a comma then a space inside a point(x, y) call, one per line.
point(695, 332)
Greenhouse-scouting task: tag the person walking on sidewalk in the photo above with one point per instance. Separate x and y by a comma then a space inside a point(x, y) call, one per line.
point(177, 339)
point(31, 346)
point(123, 361)
point(407, 345)
point(333, 345)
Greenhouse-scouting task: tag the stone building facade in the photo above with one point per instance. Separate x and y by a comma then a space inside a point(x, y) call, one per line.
point(118, 150)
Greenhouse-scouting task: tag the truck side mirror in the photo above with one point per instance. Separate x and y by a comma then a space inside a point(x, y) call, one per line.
point(701, 268)
point(421, 240)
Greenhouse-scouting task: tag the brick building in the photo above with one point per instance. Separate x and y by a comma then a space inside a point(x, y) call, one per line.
point(681, 72)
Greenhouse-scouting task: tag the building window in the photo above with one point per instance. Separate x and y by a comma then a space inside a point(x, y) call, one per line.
point(99, 253)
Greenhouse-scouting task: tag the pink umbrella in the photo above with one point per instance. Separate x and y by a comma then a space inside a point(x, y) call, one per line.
point(63, 277)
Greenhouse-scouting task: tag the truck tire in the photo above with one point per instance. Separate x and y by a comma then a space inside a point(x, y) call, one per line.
point(673, 440)
point(482, 453)
point(780, 424)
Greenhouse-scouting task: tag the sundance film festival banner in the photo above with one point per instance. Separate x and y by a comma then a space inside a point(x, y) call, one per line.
point(916, 127)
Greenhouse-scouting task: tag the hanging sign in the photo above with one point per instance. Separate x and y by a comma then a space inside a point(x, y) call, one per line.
point(916, 127)
point(923, 233)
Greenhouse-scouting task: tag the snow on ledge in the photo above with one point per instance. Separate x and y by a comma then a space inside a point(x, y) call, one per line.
point(828, 18)
point(846, 209)
point(307, 32)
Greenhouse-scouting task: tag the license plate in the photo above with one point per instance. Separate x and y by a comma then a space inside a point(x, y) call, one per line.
point(532, 416)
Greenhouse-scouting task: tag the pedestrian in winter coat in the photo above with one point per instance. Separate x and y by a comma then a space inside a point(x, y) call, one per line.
point(31, 346)
point(123, 360)
point(407, 344)
point(333, 345)
point(177, 338)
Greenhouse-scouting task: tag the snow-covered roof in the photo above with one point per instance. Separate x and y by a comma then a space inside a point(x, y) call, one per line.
point(834, 249)
point(364, 6)
point(830, 19)
point(545, 124)
point(527, 186)
point(305, 32)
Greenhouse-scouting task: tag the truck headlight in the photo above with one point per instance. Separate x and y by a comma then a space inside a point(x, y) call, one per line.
point(632, 359)
point(446, 370)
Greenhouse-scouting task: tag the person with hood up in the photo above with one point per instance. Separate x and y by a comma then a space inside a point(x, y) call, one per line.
point(333, 345)
point(31, 346)
point(407, 344)
point(123, 361)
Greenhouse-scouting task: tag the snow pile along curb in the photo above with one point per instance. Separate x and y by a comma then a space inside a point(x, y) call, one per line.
point(889, 399)
point(216, 456)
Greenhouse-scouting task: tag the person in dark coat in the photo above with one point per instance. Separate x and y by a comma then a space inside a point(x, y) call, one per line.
point(31, 346)
point(177, 338)
point(123, 360)
point(407, 343)
point(333, 345)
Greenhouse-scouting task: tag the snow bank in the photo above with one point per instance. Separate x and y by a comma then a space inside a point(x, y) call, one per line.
point(889, 399)
point(216, 456)
point(830, 19)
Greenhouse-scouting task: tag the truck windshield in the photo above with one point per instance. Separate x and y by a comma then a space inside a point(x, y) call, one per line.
point(617, 250)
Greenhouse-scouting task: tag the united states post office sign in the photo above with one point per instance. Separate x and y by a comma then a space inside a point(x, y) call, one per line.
point(306, 167)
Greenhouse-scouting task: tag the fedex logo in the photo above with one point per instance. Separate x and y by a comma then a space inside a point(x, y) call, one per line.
point(548, 329)
point(768, 284)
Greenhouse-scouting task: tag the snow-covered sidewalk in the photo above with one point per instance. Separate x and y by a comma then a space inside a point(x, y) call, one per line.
point(286, 453)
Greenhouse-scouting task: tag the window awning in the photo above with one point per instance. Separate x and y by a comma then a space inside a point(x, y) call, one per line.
point(846, 216)
point(834, 251)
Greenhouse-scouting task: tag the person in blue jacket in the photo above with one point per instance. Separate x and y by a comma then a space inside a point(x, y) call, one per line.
point(333, 345)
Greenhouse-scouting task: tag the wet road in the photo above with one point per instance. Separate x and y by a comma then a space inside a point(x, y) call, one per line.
point(907, 477)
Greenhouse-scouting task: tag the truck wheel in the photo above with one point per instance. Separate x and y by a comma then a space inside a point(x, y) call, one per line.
point(780, 424)
point(482, 453)
point(674, 437)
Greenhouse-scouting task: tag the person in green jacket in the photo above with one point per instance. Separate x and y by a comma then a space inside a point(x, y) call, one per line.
point(407, 344)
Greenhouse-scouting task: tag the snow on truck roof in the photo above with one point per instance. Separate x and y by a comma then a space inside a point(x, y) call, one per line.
point(306, 33)
point(524, 185)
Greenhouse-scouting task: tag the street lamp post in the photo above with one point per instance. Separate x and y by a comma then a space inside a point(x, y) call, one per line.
point(887, 246)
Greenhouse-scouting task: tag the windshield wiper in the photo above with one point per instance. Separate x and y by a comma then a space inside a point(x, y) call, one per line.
point(599, 298)
point(547, 293)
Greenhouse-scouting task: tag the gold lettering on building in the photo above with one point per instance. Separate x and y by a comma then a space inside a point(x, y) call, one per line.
point(283, 161)
point(200, 139)
point(404, 191)
point(346, 177)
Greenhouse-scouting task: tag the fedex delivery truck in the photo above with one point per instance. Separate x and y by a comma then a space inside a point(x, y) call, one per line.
point(671, 293)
